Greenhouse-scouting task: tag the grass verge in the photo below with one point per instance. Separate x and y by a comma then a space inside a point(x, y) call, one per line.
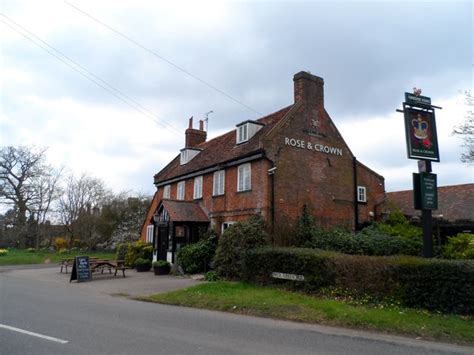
point(260, 301)
point(23, 257)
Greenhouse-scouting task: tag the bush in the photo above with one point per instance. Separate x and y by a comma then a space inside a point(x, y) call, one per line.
point(437, 285)
point(134, 251)
point(460, 247)
point(211, 276)
point(370, 241)
point(196, 257)
point(31, 250)
point(141, 261)
point(63, 251)
point(3, 252)
point(122, 251)
point(60, 243)
point(161, 263)
point(235, 242)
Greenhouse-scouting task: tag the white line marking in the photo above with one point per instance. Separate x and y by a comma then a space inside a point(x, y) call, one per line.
point(34, 334)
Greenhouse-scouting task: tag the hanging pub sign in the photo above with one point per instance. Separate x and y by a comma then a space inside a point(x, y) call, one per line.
point(425, 191)
point(420, 132)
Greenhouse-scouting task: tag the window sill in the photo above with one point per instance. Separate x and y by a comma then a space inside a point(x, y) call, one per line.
point(244, 191)
point(213, 196)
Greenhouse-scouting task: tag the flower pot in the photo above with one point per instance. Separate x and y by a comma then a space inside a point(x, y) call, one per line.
point(161, 270)
point(142, 268)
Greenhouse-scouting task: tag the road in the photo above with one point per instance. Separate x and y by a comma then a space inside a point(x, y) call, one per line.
point(81, 321)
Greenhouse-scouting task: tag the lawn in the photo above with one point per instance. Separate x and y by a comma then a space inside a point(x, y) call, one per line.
point(270, 302)
point(23, 257)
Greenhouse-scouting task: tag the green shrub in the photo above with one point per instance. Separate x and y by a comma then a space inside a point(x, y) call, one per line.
point(3, 252)
point(31, 250)
point(196, 257)
point(460, 247)
point(122, 251)
point(134, 251)
point(63, 251)
point(211, 276)
point(438, 285)
point(141, 261)
point(161, 263)
point(235, 242)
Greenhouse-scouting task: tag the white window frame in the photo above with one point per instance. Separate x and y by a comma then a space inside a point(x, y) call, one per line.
point(197, 187)
point(149, 233)
point(180, 190)
point(361, 194)
point(244, 177)
point(183, 157)
point(243, 133)
point(218, 185)
point(226, 225)
point(167, 191)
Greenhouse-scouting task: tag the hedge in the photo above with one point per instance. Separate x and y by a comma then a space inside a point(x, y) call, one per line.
point(437, 285)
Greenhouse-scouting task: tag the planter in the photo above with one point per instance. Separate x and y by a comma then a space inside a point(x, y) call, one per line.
point(143, 268)
point(161, 270)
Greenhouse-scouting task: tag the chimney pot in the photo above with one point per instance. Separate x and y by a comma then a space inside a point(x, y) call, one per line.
point(191, 123)
point(201, 125)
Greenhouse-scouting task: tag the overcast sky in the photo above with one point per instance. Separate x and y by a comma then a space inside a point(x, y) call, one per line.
point(155, 64)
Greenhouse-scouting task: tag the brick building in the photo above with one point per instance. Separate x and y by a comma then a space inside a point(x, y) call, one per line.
point(273, 166)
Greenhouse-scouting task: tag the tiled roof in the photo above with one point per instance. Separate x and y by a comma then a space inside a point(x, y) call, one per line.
point(455, 202)
point(183, 211)
point(220, 149)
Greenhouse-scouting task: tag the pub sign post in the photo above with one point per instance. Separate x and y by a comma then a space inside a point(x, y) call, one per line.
point(422, 144)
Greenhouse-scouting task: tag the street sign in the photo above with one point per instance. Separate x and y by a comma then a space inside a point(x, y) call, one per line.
point(420, 133)
point(425, 191)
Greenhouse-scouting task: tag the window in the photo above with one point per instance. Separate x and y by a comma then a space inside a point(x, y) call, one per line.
point(242, 133)
point(166, 191)
point(361, 195)
point(180, 191)
point(219, 183)
point(226, 225)
point(197, 187)
point(243, 177)
point(149, 234)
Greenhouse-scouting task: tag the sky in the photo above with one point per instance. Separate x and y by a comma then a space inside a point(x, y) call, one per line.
point(108, 87)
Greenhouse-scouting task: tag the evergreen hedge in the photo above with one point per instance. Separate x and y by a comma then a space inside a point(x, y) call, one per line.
point(437, 285)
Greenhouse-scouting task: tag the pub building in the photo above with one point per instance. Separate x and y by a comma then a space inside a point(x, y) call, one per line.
point(274, 167)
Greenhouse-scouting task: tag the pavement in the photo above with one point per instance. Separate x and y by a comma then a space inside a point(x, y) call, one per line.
point(134, 284)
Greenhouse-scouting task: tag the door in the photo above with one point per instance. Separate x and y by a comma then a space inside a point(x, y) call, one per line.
point(163, 233)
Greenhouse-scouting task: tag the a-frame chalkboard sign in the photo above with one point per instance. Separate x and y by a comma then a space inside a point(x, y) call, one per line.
point(81, 269)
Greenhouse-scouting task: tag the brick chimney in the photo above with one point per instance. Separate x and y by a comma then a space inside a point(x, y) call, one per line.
point(309, 88)
point(195, 136)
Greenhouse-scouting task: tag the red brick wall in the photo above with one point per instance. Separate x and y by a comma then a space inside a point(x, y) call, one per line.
point(375, 193)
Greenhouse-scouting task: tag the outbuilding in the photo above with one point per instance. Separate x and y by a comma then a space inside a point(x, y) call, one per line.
point(274, 166)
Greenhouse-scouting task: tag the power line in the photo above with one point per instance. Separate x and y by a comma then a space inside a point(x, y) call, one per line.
point(88, 74)
point(138, 44)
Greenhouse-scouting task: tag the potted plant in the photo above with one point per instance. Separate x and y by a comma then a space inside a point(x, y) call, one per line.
point(161, 267)
point(142, 264)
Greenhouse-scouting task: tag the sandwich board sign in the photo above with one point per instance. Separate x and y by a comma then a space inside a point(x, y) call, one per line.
point(81, 269)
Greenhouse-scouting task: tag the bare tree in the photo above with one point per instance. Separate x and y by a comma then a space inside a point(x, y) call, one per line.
point(466, 131)
point(27, 185)
point(78, 206)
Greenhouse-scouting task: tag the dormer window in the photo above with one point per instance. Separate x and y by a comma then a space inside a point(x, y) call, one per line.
point(247, 130)
point(187, 154)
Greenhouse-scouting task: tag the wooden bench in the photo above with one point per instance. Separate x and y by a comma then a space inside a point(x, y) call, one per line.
point(65, 263)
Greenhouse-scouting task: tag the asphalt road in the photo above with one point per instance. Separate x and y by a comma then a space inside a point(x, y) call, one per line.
point(82, 321)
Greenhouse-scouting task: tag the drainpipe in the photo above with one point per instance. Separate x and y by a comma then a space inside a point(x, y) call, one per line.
point(356, 205)
point(271, 174)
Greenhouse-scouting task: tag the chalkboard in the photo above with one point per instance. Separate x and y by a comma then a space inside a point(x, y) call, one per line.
point(81, 270)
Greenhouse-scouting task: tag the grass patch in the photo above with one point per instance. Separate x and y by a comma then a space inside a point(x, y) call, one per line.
point(23, 257)
point(270, 302)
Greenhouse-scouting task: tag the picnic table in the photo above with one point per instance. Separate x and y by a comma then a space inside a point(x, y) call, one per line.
point(97, 265)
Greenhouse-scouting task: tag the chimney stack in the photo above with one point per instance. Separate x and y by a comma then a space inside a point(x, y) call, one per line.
point(309, 89)
point(194, 137)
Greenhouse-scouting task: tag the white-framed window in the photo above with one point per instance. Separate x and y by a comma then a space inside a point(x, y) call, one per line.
point(149, 233)
point(226, 225)
point(242, 133)
point(244, 177)
point(180, 190)
point(361, 194)
point(197, 187)
point(167, 191)
point(219, 183)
